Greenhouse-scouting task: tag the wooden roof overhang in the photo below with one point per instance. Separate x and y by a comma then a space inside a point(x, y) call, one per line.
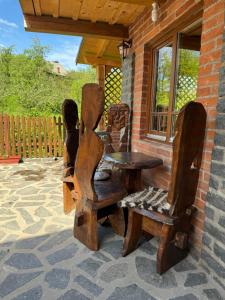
point(103, 24)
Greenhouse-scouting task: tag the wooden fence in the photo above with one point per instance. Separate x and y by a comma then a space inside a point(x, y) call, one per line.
point(31, 136)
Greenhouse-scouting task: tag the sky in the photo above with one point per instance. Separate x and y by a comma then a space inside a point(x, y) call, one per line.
point(62, 48)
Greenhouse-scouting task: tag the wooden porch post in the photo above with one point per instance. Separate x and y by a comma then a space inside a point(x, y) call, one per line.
point(101, 81)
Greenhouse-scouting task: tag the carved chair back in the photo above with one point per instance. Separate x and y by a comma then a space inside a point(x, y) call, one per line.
point(91, 147)
point(118, 119)
point(70, 119)
point(187, 156)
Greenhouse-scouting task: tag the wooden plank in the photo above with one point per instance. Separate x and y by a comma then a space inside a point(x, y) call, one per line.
point(45, 137)
point(60, 136)
point(56, 8)
point(136, 2)
point(39, 138)
point(6, 135)
point(98, 9)
point(27, 7)
point(102, 48)
point(37, 7)
point(71, 27)
point(18, 135)
point(24, 136)
point(54, 137)
point(29, 137)
point(34, 136)
point(1, 136)
point(50, 136)
point(12, 126)
point(76, 9)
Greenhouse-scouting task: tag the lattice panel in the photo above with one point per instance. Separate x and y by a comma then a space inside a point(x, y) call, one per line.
point(113, 90)
point(186, 91)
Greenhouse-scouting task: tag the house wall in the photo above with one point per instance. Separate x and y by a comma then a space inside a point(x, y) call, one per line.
point(213, 254)
point(142, 31)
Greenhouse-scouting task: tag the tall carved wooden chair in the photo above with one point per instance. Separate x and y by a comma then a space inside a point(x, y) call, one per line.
point(168, 214)
point(96, 199)
point(70, 119)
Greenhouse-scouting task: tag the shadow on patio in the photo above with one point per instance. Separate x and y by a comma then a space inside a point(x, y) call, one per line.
point(40, 259)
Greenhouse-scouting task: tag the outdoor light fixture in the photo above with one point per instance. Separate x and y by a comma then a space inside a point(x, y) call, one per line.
point(155, 12)
point(124, 48)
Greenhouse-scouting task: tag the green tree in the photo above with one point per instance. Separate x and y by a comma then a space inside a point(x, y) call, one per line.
point(29, 86)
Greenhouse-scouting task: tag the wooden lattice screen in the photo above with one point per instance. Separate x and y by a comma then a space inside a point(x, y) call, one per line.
point(113, 89)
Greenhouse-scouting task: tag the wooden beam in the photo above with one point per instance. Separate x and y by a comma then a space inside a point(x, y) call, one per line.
point(70, 27)
point(107, 61)
point(137, 2)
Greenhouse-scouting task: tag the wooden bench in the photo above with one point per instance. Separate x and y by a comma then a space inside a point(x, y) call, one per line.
point(168, 214)
point(70, 119)
point(95, 199)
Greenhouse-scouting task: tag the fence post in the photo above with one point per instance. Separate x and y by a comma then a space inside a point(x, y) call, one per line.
point(24, 137)
point(12, 126)
point(1, 137)
point(39, 138)
point(6, 135)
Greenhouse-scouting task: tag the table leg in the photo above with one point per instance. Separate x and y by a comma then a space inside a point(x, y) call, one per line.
point(133, 180)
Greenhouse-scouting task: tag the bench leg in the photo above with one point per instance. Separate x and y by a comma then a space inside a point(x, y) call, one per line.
point(117, 221)
point(85, 228)
point(68, 201)
point(134, 232)
point(168, 253)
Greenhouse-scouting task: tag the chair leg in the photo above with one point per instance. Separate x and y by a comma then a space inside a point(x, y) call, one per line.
point(117, 221)
point(168, 253)
point(85, 228)
point(134, 232)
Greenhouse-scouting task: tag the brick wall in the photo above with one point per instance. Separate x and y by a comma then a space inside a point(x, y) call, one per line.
point(213, 254)
point(142, 32)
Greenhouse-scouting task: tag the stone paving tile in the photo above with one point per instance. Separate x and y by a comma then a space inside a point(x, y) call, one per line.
point(40, 259)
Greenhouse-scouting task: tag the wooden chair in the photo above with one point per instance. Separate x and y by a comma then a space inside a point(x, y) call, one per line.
point(168, 214)
point(96, 199)
point(70, 119)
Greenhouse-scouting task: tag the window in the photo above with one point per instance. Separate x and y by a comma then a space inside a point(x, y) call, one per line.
point(174, 80)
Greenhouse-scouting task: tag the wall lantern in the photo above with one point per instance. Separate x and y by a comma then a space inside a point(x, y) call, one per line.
point(155, 12)
point(124, 48)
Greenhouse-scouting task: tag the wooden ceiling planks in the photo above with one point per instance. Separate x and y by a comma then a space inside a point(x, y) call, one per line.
point(98, 51)
point(27, 7)
point(137, 2)
point(37, 7)
point(108, 11)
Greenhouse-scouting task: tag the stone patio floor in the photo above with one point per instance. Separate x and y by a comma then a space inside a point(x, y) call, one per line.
point(40, 259)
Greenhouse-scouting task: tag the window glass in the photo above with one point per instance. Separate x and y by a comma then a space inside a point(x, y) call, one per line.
point(163, 59)
point(163, 75)
point(187, 69)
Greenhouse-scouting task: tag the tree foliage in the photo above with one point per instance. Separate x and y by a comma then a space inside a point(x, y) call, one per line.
point(28, 86)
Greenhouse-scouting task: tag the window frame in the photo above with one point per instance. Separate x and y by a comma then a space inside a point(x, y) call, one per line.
point(173, 39)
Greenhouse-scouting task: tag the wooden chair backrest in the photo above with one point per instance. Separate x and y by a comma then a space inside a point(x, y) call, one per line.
point(70, 119)
point(91, 147)
point(187, 156)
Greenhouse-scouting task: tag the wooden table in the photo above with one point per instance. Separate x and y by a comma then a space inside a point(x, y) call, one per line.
point(132, 163)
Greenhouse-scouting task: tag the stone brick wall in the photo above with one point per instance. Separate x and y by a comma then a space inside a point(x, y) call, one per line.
point(144, 33)
point(213, 254)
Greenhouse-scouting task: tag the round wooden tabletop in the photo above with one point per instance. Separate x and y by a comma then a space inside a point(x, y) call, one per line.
point(132, 160)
